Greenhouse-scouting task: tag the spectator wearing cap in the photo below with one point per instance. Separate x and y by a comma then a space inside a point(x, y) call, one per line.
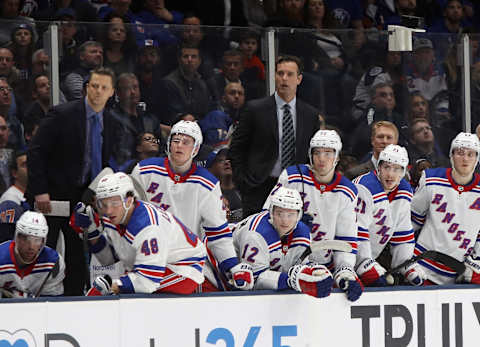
point(90, 56)
point(219, 166)
point(10, 17)
point(22, 44)
point(423, 74)
point(155, 12)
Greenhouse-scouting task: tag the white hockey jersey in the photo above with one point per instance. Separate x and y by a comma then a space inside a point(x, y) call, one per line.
point(332, 208)
point(257, 243)
point(28, 280)
point(196, 199)
point(448, 215)
point(152, 241)
point(384, 218)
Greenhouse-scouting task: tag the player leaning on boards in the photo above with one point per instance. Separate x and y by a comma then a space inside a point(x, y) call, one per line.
point(160, 254)
point(273, 242)
point(28, 268)
point(383, 215)
point(446, 212)
point(328, 203)
point(193, 195)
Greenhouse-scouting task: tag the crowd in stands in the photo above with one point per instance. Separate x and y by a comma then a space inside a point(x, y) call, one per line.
point(189, 70)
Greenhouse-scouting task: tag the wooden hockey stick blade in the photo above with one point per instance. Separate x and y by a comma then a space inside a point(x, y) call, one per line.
point(54, 271)
point(6, 293)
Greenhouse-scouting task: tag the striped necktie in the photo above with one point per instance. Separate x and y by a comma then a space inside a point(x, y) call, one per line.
point(288, 138)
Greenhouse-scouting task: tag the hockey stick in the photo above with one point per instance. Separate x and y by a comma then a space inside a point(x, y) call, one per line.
point(454, 264)
point(87, 199)
point(53, 272)
point(334, 245)
point(142, 195)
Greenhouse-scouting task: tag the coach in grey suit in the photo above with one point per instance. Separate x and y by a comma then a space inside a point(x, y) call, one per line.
point(256, 148)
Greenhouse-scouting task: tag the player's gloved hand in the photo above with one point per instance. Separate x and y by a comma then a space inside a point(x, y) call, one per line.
point(242, 276)
point(101, 286)
point(84, 218)
point(315, 280)
point(347, 280)
point(14, 293)
point(308, 220)
point(472, 270)
point(415, 275)
point(372, 273)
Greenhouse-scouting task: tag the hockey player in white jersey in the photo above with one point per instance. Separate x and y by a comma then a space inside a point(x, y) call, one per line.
point(26, 262)
point(446, 212)
point(273, 242)
point(193, 194)
point(329, 201)
point(383, 216)
point(158, 251)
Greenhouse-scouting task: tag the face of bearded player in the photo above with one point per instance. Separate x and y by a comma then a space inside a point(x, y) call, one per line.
point(28, 247)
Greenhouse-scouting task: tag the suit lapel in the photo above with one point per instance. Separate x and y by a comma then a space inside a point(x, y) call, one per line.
point(81, 119)
point(271, 111)
point(299, 130)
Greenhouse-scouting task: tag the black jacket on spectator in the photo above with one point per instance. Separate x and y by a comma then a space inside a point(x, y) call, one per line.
point(126, 130)
point(436, 157)
point(177, 95)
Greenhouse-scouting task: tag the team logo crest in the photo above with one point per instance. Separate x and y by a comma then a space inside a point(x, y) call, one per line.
point(19, 338)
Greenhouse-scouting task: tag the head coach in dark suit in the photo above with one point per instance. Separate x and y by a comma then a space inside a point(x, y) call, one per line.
point(271, 136)
point(71, 146)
